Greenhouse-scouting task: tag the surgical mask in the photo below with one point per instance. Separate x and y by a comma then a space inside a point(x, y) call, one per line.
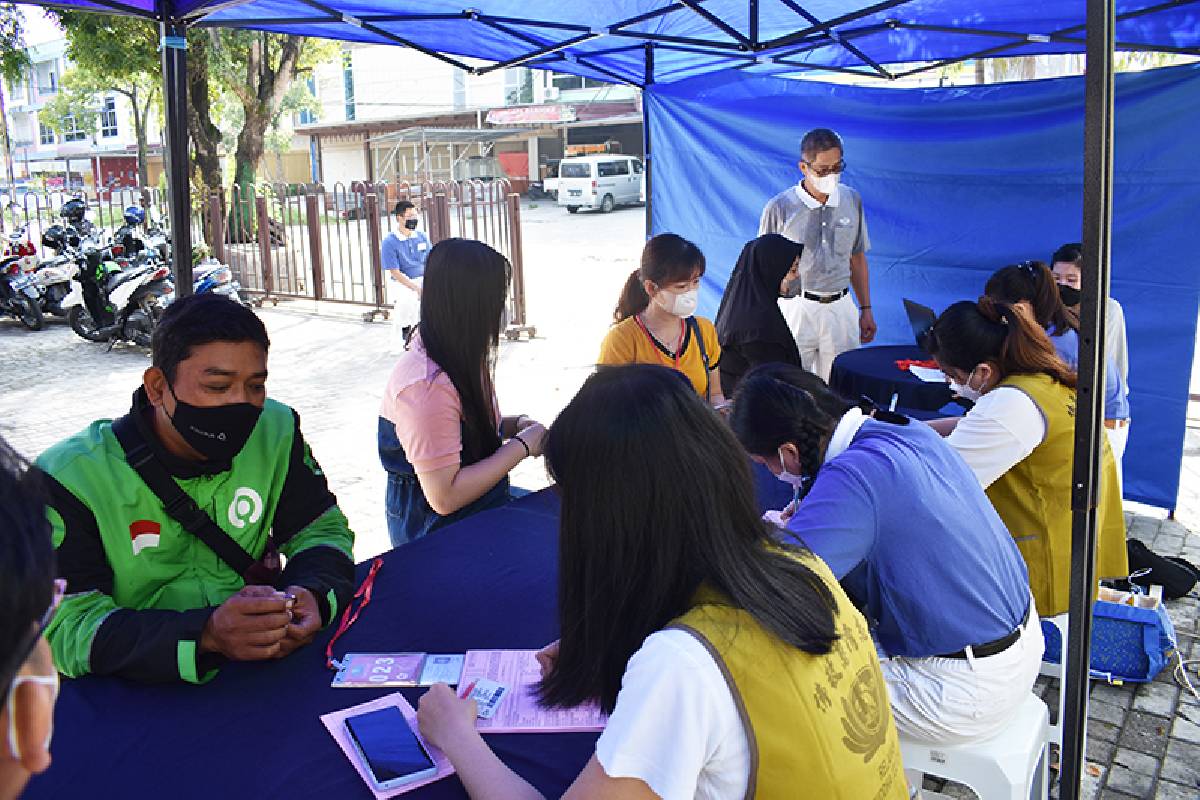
point(216, 432)
point(795, 481)
point(681, 305)
point(793, 287)
point(824, 184)
point(965, 391)
point(1069, 294)
point(14, 741)
point(411, 224)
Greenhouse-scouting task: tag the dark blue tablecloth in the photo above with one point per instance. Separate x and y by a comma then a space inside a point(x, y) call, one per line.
point(488, 582)
point(872, 371)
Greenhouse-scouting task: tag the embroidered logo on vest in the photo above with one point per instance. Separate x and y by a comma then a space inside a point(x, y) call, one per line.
point(246, 508)
point(144, 533)
point(866, 714)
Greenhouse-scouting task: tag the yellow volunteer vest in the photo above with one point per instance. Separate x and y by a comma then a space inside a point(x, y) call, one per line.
point(1034, 500)
point(818, 726)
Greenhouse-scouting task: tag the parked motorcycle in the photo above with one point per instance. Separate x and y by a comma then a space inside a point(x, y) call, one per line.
point(214, 277)
point(109, 302)
point(53, 276)
point(18, 294)
point(17, 244)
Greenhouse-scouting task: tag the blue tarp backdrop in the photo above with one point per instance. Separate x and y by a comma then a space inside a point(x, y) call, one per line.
point(956, 183)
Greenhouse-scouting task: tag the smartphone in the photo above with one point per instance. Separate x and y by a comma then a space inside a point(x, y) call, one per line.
point(391, 752)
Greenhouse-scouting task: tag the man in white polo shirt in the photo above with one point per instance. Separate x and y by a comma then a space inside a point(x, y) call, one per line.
point(827, 218)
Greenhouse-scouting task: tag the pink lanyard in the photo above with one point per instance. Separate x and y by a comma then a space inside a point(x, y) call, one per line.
point(654, 342)
point(348, 619)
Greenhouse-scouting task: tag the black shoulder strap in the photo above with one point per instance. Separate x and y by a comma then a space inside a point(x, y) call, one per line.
point(176, 502)
point(695, 326)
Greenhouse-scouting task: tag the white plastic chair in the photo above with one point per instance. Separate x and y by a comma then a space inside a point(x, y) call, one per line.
point(1052, 670)
point(1009, 766)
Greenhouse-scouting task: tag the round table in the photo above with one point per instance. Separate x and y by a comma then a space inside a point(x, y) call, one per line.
point(486, 582)
point(872, 371)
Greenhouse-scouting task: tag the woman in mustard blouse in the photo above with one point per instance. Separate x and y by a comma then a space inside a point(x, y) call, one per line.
point(654, 322)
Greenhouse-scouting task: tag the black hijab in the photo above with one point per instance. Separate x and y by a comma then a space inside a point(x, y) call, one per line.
point(750, 309)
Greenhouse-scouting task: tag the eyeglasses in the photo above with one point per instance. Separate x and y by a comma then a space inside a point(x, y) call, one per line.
point(821, 172)
point(26, 648)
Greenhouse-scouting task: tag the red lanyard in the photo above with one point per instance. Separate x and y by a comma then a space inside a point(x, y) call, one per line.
point(655, 343)
point(348, 619)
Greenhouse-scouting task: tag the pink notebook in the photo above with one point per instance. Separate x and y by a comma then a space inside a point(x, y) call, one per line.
point(519, 711)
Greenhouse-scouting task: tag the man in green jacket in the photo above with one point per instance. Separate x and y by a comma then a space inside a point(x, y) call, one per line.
point(148, 599)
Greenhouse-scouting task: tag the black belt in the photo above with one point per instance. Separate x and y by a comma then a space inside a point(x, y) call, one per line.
point(827, 298)
point(996, 646)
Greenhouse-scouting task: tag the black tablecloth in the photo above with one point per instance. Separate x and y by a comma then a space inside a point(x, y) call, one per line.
point(872, 371)
point(488, 582)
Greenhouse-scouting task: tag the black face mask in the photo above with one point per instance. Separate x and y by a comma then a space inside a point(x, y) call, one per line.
point(411, 224)
point(1069, 294)
point(216, 432)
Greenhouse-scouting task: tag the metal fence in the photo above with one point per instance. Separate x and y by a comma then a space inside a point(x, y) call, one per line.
point(324, 243)
point(310, 241)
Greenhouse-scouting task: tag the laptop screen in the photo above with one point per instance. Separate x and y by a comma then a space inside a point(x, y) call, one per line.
point(921, 318)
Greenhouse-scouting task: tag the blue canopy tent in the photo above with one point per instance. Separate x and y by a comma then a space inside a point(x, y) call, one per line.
point(655, 43)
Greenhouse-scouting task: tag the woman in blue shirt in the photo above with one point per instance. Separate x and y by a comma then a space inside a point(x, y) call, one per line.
point(903, 523)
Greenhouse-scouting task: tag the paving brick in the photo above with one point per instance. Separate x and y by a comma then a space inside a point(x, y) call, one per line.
point(1182, 762)
point(1156, 698)
point(1174, 791)
point(1145, 733)
point(1106, 712)
point(1103, 731)
point(1112, 794)
point(1115, 695)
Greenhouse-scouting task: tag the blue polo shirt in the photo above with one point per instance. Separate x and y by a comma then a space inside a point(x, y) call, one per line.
point(903, 523)
point(1116, 399)
point(406, 254)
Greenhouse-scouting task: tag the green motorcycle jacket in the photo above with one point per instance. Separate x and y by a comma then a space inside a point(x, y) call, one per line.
point(140, 588)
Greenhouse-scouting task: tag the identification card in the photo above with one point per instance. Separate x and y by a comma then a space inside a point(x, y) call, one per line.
point(367, 670)
point(487, 694)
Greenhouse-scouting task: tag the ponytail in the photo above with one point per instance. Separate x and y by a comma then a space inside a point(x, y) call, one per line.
point(667, 258)
point(1032, 282)
point(633, 298)
point(1004, 334)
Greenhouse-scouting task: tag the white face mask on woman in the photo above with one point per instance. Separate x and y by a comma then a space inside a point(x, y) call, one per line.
point(796, 481)
point(682, 305)
point(966, 391)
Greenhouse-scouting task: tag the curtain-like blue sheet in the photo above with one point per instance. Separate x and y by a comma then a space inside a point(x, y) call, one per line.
point(956, 183)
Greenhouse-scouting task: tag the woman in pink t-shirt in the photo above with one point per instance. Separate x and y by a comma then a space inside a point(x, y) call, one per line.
point(446, 449)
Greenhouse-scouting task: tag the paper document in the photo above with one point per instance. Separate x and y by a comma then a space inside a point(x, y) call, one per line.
point(380, 670)
point(519, 711)
point(928, 374)
point(335, 722)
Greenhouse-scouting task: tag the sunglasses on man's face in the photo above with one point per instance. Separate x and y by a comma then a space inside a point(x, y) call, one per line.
point(23, 652)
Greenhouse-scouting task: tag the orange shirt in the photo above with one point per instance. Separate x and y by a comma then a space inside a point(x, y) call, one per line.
point(627, 343)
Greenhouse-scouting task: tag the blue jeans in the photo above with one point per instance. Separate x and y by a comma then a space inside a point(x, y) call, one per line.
point(409, 516)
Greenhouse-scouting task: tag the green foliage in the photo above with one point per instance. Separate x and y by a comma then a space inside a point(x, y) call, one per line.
point(73, 107)
point(14, 61)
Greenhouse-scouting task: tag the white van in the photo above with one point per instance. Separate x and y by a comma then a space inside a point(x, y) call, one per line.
point(600, 181)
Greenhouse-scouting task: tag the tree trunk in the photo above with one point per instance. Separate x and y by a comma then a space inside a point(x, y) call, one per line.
point(139, 132)
point(269, 83)
point(8, 164)
point(206, 137)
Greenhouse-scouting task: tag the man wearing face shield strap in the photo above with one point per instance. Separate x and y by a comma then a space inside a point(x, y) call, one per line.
point(28, 599)
point(827, 218)
point(151, 599)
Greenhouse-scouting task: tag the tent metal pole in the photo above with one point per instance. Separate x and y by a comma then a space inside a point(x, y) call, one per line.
point(799, 36)
point(173, 51)
point(752, 14)
point(836, 36)
point(719, 23)
point(1086, 469)
point(541, 51)
point(647, 159)
point(533, 40)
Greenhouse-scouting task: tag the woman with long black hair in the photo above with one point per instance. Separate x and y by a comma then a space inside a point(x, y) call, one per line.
point(655, 322)
point(732, 664)
point(750, 326)
point(1019, 439)
point(446, 449)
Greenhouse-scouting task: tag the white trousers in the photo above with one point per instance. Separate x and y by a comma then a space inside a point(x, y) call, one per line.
point(1117, 439)
point(406, 310)
point(823, 331)
point(954, 701)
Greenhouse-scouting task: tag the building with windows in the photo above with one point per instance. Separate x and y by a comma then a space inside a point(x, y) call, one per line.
point(390, 114)
point(75, 159)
